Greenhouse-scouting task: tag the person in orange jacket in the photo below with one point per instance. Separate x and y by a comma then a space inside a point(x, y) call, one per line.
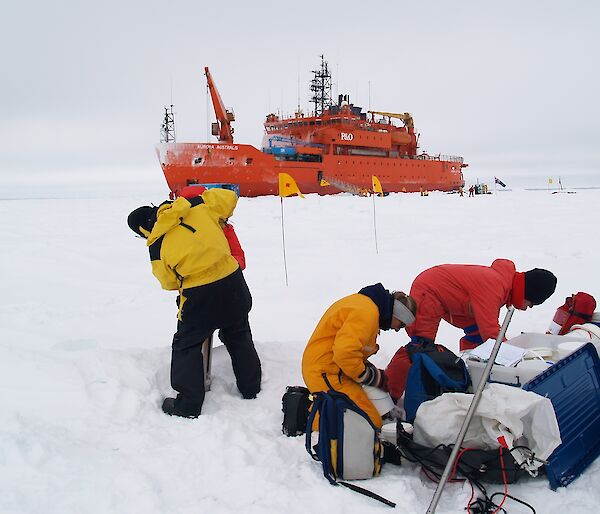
point(237, 251)
point(468, 297)
point(345, 337)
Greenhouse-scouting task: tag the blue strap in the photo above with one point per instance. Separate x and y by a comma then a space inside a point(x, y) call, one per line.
point(472, 334)
point(420, 340)
point(316, 406)
point(475, 339)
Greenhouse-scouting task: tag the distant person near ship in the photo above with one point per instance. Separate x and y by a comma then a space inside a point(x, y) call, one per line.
point(189, 253)
point(472, 191)
point(468, 297)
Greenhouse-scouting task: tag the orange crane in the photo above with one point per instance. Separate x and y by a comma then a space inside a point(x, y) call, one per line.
point(222, 128)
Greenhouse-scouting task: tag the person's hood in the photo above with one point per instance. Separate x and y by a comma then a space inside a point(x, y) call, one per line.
point(384, 301)
point(169, 216)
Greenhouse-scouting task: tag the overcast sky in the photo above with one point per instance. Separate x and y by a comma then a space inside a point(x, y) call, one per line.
point(508, 85)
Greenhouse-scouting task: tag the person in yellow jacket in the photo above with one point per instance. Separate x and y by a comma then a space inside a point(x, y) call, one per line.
point(190, 254)
point(337, 352)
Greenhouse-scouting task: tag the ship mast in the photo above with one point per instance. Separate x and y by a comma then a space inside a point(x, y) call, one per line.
point(167, 129)
point(320, 86)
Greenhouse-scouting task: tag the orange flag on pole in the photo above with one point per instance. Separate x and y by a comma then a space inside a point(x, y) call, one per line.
point(288, 186)
point(376, 185)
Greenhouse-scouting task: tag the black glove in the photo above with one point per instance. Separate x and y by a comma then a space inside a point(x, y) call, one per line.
point(372, 376)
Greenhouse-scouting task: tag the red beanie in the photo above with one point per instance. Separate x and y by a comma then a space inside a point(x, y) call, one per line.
point(191, 191)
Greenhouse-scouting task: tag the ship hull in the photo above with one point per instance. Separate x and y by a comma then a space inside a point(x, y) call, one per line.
point(257, 173)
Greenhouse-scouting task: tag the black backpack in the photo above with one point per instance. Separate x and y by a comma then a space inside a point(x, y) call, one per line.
point(296, 403)
point(434, 370)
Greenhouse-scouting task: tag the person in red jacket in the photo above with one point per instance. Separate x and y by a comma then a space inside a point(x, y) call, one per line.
point(234, 244)
point(468, 297)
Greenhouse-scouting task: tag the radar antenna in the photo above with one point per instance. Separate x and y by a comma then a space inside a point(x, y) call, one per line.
point(167, 129)
point(320, 86)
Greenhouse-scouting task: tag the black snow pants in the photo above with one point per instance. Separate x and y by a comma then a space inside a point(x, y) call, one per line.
point(222, 305)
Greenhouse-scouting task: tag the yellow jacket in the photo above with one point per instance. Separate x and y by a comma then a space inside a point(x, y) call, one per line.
point(187, 245)
point(343, 340)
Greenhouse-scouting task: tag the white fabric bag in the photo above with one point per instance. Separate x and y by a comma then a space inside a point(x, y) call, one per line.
point(521, 417)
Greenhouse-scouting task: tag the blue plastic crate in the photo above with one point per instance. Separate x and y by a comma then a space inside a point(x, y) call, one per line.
point(232, 187)
point(573, 387)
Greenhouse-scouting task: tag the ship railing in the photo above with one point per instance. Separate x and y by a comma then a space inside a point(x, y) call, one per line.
point(439, 157)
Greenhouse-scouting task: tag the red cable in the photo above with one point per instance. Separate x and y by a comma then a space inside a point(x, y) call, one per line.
point(460, 454)
point(471, 498)
point(504, 480)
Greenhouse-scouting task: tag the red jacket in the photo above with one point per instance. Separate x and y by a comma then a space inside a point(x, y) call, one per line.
point(234, 245)
point(463, 295)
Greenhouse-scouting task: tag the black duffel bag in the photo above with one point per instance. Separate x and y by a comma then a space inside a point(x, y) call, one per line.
point(495, 466)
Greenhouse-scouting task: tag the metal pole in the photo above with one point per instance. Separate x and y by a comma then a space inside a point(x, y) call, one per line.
point(283, 242)
point(207, 358)
point(470, 412)
point(375, 224)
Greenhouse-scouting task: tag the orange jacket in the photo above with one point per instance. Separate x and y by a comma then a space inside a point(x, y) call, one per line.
point(343, 340)
point(340, 346)
point(463, 295)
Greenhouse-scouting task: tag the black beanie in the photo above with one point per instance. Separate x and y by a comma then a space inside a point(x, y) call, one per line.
point(144, 217)
point(539, 285)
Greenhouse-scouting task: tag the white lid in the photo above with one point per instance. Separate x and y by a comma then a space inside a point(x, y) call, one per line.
point(568, 348)
point(539, 351)
point(534, 364)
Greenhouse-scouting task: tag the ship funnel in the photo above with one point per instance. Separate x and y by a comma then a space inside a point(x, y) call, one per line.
point(343, 100)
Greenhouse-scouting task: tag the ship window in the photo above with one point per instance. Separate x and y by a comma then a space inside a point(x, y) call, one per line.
point(198, 160)
point(311, 123)
point(249, 160)
point(231, 160)
point(318, 122)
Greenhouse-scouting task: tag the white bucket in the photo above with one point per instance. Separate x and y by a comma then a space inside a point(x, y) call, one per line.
point(381, 399)
point(388, 433)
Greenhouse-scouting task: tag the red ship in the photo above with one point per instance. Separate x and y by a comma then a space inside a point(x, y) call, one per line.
point(337, 148)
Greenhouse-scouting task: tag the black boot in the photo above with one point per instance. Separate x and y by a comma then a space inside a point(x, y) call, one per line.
point(168, 407)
